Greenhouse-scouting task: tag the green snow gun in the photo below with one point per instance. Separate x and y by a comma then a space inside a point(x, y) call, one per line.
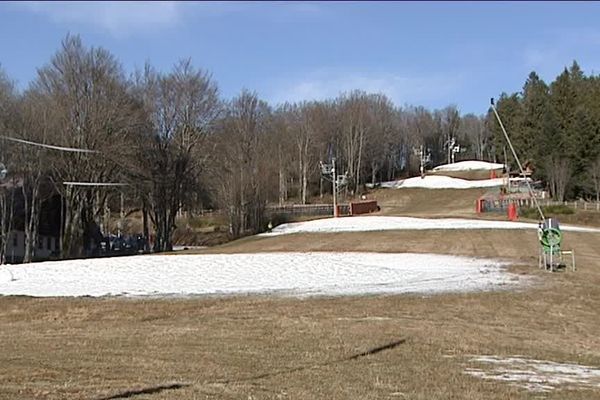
point(550, 236)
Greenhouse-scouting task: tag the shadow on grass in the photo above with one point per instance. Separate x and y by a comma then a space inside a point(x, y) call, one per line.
point(369, 352)
point(149, 390)
point(157, 389)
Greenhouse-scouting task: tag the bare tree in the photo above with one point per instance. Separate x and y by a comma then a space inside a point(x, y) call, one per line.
point(423, 130)
point(473, 133)
point(559, 173)
point(281, 138)
point(8, 98)
point(380, 141)
point(451, 123)
point(85, 93)
point(34, 120)
point(241, 167)
point(354, 118)
point(171, 149)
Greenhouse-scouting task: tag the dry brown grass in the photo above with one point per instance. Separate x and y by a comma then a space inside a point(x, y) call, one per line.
point(259, 347)
point(428, 202)
point(475, 174)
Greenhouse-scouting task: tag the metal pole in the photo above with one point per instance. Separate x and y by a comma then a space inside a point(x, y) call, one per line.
point(122, 215)
point(512, 149)
point(422, 169)
point(335, 212)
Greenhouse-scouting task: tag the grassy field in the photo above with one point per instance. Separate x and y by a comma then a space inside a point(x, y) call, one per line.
point(427, 202)
point(259, 347)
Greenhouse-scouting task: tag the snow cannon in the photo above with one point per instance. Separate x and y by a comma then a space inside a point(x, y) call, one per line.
point(550, 236)
point(551, 254)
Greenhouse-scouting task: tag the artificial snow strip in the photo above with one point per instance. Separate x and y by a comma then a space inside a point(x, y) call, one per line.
point(383, 223)
point(442, 182)
point(283, 274)
point(469, 166)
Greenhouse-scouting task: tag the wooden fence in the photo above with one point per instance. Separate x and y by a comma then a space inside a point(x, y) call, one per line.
point(578, 205)
point(363, 207)
point(307, 209)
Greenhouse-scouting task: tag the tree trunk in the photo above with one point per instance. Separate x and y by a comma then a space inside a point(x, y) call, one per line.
point(360, 147)
point(321, 186)
point(32, 206)
point(7, 210)
point(145, 229)
point(304, 183)
point(282, 188)
point(373, 173)
point(242, 204)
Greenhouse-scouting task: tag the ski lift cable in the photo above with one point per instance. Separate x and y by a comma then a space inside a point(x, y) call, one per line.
point(61, 148)
point(512, 149)
point(49, 146)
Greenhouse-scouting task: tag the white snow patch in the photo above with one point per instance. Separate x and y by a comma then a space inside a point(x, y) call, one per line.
point(5, 275)
point(442, 182)
point(536, 375)
point(383, 223)
point(293, 274)
point(468, 166)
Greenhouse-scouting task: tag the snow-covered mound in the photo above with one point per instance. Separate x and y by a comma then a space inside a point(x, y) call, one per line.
point(295, 274)
point(441, 182)
point(468, 166)
point(536, 375)
point(382, 223)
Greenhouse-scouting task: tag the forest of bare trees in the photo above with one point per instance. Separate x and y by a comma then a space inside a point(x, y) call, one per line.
point(169, 142)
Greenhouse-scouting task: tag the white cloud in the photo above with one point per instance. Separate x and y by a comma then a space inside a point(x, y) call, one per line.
point(120, 18)
point(124, 18)
point(404, 88)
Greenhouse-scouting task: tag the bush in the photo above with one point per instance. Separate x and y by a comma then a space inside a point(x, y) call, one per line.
point(549, 211)
point(279, 218)
point(558, 210)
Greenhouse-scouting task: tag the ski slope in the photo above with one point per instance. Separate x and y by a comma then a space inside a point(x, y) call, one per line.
point(468, 166)
point(442, 182)
point(287, 274)
point(383, 223)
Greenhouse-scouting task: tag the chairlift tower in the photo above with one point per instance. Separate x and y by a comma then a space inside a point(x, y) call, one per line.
point(455, 149)
point(336, 180)
point(450, 146)
point(424, 158)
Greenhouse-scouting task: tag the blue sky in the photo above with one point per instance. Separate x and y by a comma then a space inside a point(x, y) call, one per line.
point(421, 53)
